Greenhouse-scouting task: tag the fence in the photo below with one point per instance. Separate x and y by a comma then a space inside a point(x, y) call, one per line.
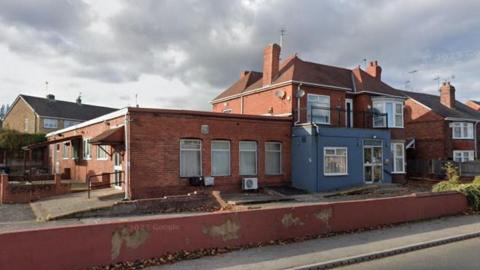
point(434, 168)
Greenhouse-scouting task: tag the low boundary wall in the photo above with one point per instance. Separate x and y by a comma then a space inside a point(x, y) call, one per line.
point(82, 246)
point(23, 192)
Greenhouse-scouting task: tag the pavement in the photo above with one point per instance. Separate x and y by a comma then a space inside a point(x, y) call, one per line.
point(318, 251)
point(459, 255)
point(73, 203)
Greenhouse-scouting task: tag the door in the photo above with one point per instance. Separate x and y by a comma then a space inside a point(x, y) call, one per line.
point(349, 112)
point(117, 168)
point(372, 161)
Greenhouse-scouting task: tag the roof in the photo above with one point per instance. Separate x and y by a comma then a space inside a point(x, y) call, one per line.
point(433, 102)
point(64, 109)
point(295, 69)
point(110, 137)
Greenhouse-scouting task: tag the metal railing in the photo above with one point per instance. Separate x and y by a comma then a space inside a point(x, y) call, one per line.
point(340, 117)
point(109, 184)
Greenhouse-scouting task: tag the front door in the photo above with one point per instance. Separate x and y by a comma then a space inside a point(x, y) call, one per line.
point(117, 168)
point(372, 161)
point(349, 112)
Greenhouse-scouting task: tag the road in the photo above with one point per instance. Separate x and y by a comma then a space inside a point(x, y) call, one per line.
point(459, 255)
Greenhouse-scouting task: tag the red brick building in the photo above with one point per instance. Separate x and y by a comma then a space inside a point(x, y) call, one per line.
point(158, 151)
point(443, 128)
point(324, 95)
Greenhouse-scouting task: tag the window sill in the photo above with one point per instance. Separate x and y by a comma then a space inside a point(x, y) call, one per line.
point(462, 138)
point(102, 159)
point(336, 174)
point(399, 172)
point(277, 174)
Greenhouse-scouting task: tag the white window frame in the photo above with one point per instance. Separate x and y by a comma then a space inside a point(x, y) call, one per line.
point(247, 150)
point(382, 105)
point(65, 152)
point(462, 125)
point(50, 123)
point(463, 158)
point(335, 148)
point(86, 145)
point(280, 172)
point(222, 150)
point(395, 156)
point(192, 150)
point(100, 150)
point(327, 109)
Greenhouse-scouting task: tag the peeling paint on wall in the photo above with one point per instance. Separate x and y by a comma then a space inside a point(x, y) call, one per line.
point(324, 215)
point(227, 231)
point(131, 238)
point(289, 220)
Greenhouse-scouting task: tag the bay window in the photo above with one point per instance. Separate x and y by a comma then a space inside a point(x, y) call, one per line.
point(318, 109)
point(248, 158)
point(462, 130)
point(220, 158)
point(393, 110)
point(190, 158)
point(273, 158)
point(398, 156)
point(335, 161)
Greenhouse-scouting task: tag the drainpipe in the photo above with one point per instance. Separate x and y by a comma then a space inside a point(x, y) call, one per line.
point(127, 154)
point(241, 104)
point(317, 158)
point(476, 139)
point(298, 96)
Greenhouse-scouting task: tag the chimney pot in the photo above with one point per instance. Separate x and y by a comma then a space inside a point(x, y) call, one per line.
point(271, 63)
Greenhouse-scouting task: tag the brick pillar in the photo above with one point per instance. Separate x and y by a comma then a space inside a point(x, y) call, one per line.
point(3, 187)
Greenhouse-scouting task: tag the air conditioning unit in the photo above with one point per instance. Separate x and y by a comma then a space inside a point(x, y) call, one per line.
point(209, 181)
point(250, 183)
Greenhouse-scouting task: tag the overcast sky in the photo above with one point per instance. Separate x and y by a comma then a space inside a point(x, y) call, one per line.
point(181, 54)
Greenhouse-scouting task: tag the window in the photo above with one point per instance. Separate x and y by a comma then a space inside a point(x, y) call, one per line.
point(463, 156)
point(318, 110)
point(220, 158)
point(462, 130)
point(68, 123)
point(102, 152)
point(398, 155)
point(190, 158)
point(248, 158)
point(65, 150)
point(273, 158)
point(75, 147)
point(25, 125)
point(50, 123)
point(335, 161)
point(87, 149)
point(392, 109)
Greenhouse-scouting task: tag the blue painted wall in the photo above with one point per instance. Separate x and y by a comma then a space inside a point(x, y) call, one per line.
point(307, 156)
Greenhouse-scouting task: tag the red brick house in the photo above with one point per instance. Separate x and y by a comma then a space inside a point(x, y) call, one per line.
point(326, 96)
point(156, 152)
point(443, 128)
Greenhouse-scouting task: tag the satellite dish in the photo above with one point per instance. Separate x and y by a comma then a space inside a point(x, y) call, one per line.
point(300, 92)
point(280, 94)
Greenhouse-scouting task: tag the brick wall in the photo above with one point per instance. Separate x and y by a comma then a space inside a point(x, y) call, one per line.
point(155, 153)
point(24, 193)
point(16, 118)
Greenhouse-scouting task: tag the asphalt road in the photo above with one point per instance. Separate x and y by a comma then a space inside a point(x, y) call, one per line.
point(463, 255)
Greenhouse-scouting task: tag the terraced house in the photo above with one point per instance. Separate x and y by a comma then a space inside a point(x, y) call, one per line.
point(348, 125)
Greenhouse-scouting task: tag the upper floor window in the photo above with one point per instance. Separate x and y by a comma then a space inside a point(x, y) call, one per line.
point(318, 109)
point(69, 123)
point(388, 111)
point(462, 130)
point(25, 125)
point(50, 123)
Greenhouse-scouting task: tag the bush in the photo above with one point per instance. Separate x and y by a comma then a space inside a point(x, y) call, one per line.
point(445, 186)
point(476, 180)
point(472, 192)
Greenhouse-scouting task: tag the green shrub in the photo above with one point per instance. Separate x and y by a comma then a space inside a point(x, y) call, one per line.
point(472, 192)
point(476, 180)
point(445, 186)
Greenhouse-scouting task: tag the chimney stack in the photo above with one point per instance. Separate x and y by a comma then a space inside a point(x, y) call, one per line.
point(271, 63)
point(244, 73)
point(447, 95)
point(51, 97)
point(374, 70)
